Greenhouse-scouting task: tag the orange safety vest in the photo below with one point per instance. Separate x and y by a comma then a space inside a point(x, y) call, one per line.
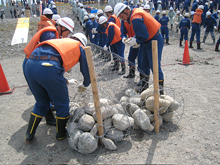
point(117, 20)
point(68, 49)
point(197, 16)
point(150, 22)
point(44, 22)
point(117, 36)
point(130, 30)
point(36, 39)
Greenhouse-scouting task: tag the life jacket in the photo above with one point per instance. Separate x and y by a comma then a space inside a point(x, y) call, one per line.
point(68, 49)
point(44, 22)
point(36, 39)
point(197, 16)
point(130, 30)
point(117, 36)
point(117, 20)
point(151, 24)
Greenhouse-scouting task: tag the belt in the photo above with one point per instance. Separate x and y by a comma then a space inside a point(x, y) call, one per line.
point(44, 58)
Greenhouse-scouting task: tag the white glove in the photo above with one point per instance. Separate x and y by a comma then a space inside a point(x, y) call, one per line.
point(73, 81)
point(132, 42)
point(105, 48)
point(136, 46)
point(81, 88)
point(123, 40)
point(94, 31)
point(204, 29)
point(215, 27)
point(93, 36)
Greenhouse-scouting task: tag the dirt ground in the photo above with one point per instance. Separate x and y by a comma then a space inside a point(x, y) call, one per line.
point(194, 139)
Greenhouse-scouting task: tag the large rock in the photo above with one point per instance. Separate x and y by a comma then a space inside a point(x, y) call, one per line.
point(167, 116)
point(89, 109)
point(106, 112)
point(115, 134)
point(119, 108)
point(163, 104)
point(130, 93)
point(105, 102)
point(124, 99)
point(87, 143)
point(122, 122)
point(147, 93)
point(149, 114)
point(142, 120)
point(174, 104)
point(86, 122)
point(94, 130)
point(78, 113)
point(107, 123)
point(109, 144)
point(131, 108)
point(74, 139)
point(71, 127)
point(136, 100)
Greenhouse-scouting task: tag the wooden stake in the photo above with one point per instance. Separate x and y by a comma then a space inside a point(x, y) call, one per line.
point(95, 91)
point(156, 85)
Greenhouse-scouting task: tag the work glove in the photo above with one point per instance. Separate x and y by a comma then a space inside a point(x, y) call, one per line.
point(93, 36)
point(73, 81)
point(215, 27)
point(204, 29)
point(105, 48)
point(81, 88)
point(136, 46)
point(132, 42)
point(123, 40)
point(94, 31)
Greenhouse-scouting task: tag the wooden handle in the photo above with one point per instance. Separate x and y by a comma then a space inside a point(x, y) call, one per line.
point(95, 91)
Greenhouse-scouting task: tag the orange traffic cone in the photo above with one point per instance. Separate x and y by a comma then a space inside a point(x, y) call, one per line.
point(4, 87)
point(186, 59)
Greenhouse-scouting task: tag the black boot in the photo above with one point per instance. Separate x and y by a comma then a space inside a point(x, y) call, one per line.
point(32, 126)
point(131, 73)
point(216, 47)
point(140, 81)
point(161, 82)
point(177, 30)
point(144, 84)
point(50, 120)
point(115, 66)
point(61, 127)
point(171, 26)
point(190, 44)
point(167, 41)
point(198, 46)
point(181, 43)
point(203, 40)
point(123, 69)
point(213, 41)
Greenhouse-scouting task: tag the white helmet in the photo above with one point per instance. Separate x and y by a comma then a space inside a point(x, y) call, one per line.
point(86, 17)
point(67, 23)
point(81, 37)
point(86, 13)
point(186, 15)
point(47, 11)
point(56, 17)
point(99, 12)
point(158, 11)
point(206, 3)
point(178, 12)
point(142, 5)
point(132, 2)
point(141, 8)
point(159, 1)
point(52, 2)
point(192, 13)
point(171, 8)
point(53, 6)
point(108, 8)
point(80, 5)
point(210, 2)
point(102, 20)
point(218, 11)
point(197, 0)
point(208, 13)
point(201, 7)
point(164, 12)
point(147, 7)
point(119, 7)
point(92, 16)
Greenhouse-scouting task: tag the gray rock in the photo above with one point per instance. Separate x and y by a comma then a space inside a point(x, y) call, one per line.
point(115, 135)
point(130, 92)
point(78, 113)
point(107, 124)
point(107, 111)
point(94, 130)
point(74, 139)
point(109, 144)
point(86, 122)
point(87, 143)
point(131, 108)
point(122, 122)
point(136, 100)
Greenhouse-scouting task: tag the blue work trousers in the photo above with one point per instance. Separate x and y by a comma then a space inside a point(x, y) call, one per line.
point(146, 55)
point(195, 30)
point(164, 31)
point(184, 33)
point(118, 48)
point(48, 83)
point(133, 54)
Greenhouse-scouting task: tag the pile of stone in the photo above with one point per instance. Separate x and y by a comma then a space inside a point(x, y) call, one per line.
point(133, 112)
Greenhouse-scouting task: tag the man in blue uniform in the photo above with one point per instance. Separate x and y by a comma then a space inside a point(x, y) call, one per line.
point(157, 15)
point(184, 28)
point(164, 29)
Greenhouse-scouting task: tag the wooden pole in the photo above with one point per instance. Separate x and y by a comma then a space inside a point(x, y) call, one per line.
point(156, 85)
point(95, 91)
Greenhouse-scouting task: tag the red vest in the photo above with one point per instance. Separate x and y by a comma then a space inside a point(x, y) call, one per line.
point(197, 16)
point(36, 39)
point(117, 36)
point(117, 20)
point(44, 22)
point(68, 49)
point(129, 28)
point(151, 24)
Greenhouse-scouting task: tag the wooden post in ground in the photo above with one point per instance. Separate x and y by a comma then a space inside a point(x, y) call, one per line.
point(95, 91)
point(156, 85)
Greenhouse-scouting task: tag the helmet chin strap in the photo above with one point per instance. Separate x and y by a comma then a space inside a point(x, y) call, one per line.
point(62, 30)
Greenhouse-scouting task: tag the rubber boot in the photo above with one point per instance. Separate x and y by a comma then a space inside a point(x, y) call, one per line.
point(198, 46)
point(123, 69)
point(32, 126)
point(171, 26)
point(190, 44)
point(216, 47)
point(115, 66)
point(161, 82)
point(61, 127)
point(167, 41)
point(144, 84)
point(140, 81)
point(50, 119)
point(203, 40)
point(131, 73)
point(181, 43)
point(213, 41)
